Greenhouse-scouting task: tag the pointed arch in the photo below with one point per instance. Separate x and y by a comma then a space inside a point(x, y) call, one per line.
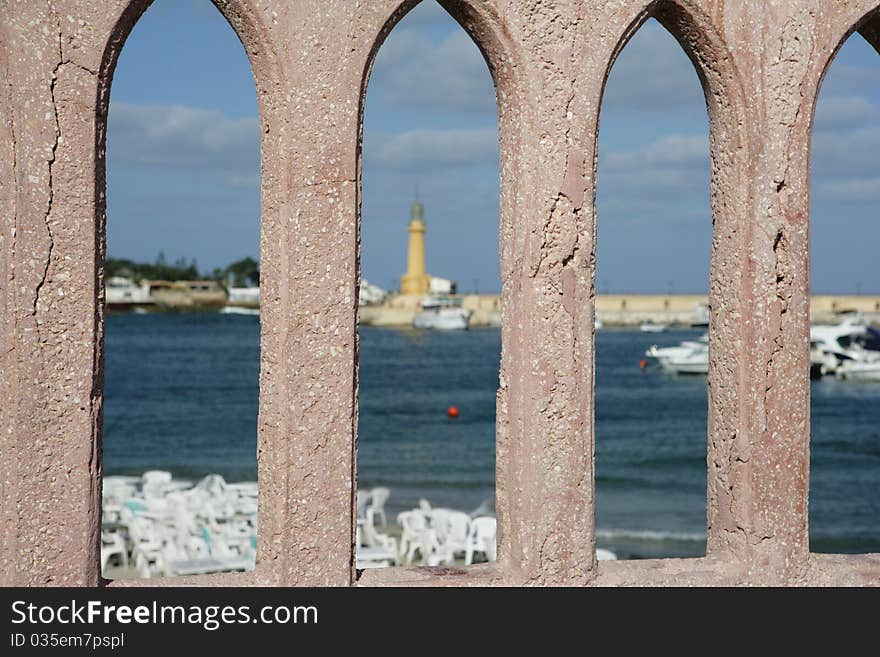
point(245, 20)
point(729, 142)
point(839, 170)
point(869, 27)
point(489, 32)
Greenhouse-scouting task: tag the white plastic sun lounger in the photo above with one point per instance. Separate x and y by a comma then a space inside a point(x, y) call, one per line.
point(209, 565)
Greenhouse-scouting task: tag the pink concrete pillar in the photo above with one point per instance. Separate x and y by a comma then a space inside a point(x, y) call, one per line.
point(52, 323)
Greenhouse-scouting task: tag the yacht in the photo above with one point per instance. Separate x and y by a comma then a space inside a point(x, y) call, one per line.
point(701, 316)
point(651, 327)
point(442, 313)
point(689, 357)
point(863, 358)
point(821, 362)
point(834, 344)
point(866, 370)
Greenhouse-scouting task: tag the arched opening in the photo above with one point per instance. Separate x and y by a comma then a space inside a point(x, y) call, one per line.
point(429, 334)
point(845, 342)
point(654, 231)
point(182, 332)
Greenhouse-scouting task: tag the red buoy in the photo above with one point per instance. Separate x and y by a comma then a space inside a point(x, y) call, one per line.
point(643, 363)
point(452, 411)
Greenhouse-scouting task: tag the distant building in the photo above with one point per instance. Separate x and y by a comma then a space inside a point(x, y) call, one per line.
point(121, 293)
point(442, 286)
point(187, 294)
point(369, 293)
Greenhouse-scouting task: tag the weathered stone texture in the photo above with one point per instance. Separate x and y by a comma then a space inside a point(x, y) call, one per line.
point(761, 64)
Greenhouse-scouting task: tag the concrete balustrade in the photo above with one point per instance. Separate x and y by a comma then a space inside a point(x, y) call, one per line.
point(761, 65)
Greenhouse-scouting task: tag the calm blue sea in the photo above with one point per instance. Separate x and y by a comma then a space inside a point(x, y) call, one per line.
point(181, 394)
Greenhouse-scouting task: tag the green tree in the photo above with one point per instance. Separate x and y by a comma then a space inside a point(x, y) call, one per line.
point(244, 272)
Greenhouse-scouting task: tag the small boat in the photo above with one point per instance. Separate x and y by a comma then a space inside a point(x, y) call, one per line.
point(651, 327)
point(832, 345)
point(442, 314)
point(866, 371)
point(821, 361)
point(861, 360)
point(701, 316)
point(689, 357)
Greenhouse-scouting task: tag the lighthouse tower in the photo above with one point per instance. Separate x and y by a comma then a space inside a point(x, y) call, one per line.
point(416, 280)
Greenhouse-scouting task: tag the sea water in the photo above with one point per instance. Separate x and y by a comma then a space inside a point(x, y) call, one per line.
point(181, 394)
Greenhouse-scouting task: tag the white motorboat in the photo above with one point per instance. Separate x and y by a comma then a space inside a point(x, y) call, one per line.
point(836, 338)
point(651, 327)
point(689, 357)
point(696, 362)
point(821, 362)
point(832, 345)
point(867, 370)
point(701, 316)
point(443, 314)
point(862, 361)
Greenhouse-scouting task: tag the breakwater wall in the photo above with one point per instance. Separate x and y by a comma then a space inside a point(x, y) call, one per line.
point(613, 309)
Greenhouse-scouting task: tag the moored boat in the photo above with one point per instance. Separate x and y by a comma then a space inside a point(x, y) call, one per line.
point(650, 327)
point(443, 314)
point(689, 357)
point(867, 371)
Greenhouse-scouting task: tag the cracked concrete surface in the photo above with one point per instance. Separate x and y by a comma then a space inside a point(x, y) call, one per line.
point(761, 65)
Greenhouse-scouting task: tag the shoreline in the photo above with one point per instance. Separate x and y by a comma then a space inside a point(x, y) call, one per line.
point(612, 310)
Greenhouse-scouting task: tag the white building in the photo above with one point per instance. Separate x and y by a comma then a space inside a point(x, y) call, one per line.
point(370, 293)
point(441, 286)
point(121, 291)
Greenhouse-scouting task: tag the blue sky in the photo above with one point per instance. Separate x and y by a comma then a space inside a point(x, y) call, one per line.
point(183, 156)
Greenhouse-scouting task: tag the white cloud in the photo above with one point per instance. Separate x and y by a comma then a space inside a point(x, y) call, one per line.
point(238, 181)
point(674, 150)
point(652, 74)
point(431, 149)
point(176, 135)
point(673, 169)
point(846, 79)
point(843, 153)
point(845, 112)
point(414, 72)
point(855, 189)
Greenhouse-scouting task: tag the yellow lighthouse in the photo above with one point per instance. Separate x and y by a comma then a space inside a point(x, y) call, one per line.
point(416, 280)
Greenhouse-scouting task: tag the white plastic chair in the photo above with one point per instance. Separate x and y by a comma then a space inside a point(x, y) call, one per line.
point(373, 538)
point(153, 483)
point(374, 549)
point(481, 538)
point(414, 524)
point(438, 520)
point(112, 544)
point(486, 508)
point(363, 499)
point(605, 555)
point(458, 527)
point(435, 552)
point(378, 497)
